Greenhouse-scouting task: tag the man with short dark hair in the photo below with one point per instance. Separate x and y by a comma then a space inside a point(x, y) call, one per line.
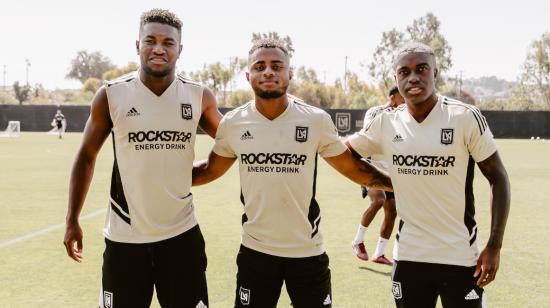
point(431, 144)
point(276, 138)
point(379, 198)
point(152, 237)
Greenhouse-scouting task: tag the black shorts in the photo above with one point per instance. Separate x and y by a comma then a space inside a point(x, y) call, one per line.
point(417, 284)
point(260, 277)
point(176, 267)
point(365, 193)
point(58, 124)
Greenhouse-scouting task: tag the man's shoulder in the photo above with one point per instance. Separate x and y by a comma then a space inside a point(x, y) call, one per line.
point(306, 109)
point(238, 113)
point(457, 109)
point(186, 81)
point(121, 79)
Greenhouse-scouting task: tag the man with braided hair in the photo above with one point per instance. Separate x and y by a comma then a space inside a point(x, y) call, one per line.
point(152, 237)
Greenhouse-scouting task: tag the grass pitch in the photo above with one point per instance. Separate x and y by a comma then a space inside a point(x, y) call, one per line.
point(35, 271)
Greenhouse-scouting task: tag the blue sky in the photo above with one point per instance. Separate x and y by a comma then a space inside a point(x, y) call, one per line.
point(488, 37)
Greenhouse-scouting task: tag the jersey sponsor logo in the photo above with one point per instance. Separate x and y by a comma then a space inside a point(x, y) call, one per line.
point(343, 122)
point(471, 296)
point(273, 159)
point(247, 136)
point(447, 136)
point(159, 135)
point(186, 111)
point(424, 161)
point(398, 138)
point(244, 296)
point(107, 299)
point(132, 112)
point(396, 290)
point(301, 133)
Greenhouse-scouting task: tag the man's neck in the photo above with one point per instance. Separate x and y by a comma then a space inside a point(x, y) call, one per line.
point(421, 110)
point(157, 85)
point(271, 108)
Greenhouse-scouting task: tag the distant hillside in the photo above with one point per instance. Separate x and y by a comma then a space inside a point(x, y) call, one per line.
point(488, 87)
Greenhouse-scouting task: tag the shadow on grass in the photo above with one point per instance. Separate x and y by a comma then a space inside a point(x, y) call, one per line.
point(375, 271)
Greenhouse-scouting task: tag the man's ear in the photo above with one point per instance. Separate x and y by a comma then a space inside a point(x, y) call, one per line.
point(436, 72)
point(137, 47)
point(248, 76)
point(290, 74)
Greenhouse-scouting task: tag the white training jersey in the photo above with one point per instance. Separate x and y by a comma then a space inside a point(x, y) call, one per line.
point(278, 169)
point(371, 113)
point(432, 168)
point(153, 139)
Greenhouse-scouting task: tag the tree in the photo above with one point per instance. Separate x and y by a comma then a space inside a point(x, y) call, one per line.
point(87, 65)
point(22, 93)
point(381, 67)
point(218, 76)
point(426, 30)
point(535, 76)
point(119, 71)
point(274, 35)
point(91, 85)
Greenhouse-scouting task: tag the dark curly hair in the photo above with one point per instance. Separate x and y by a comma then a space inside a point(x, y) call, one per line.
point(267, 43)
point(161, 16)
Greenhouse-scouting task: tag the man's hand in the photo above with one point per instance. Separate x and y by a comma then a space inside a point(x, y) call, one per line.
point(73, 234)
point(487, 266)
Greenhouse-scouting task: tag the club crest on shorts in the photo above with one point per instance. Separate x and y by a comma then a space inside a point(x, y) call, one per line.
point(447, 136)
point(107, 299)
point(301, 133)
point(186, 111)
point(396, 290)
point(244, 296)
point(343, 122)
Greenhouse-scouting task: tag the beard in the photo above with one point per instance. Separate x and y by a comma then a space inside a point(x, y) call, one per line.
point(273, 94)
point(158, 74)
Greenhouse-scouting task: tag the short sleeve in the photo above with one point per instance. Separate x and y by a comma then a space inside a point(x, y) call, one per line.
point(479, 139)
point(366, 142)
point(222, 146)
point(329, 142)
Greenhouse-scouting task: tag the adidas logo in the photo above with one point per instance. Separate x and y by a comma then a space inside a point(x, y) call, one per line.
point(247, 136)
point(132, 113)
point(398, 138)
point(201, 305)
point(327, 300)
point(472, 295)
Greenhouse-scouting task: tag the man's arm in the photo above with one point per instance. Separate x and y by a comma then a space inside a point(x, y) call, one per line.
point(210, 114)
point(489, 259)
point(96, 131)
point(360, 171)
point(206, 171)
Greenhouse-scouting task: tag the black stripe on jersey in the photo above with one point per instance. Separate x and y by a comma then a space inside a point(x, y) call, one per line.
point(244, 218)
point(187, 80)
point(117, 191)
point(314, 214)
point(119, 213)
point(401, 223)
point(469, 207)
point(124, 78)
point(480, 119)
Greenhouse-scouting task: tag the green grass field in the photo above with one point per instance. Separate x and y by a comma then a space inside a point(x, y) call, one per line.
point(35, 272)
